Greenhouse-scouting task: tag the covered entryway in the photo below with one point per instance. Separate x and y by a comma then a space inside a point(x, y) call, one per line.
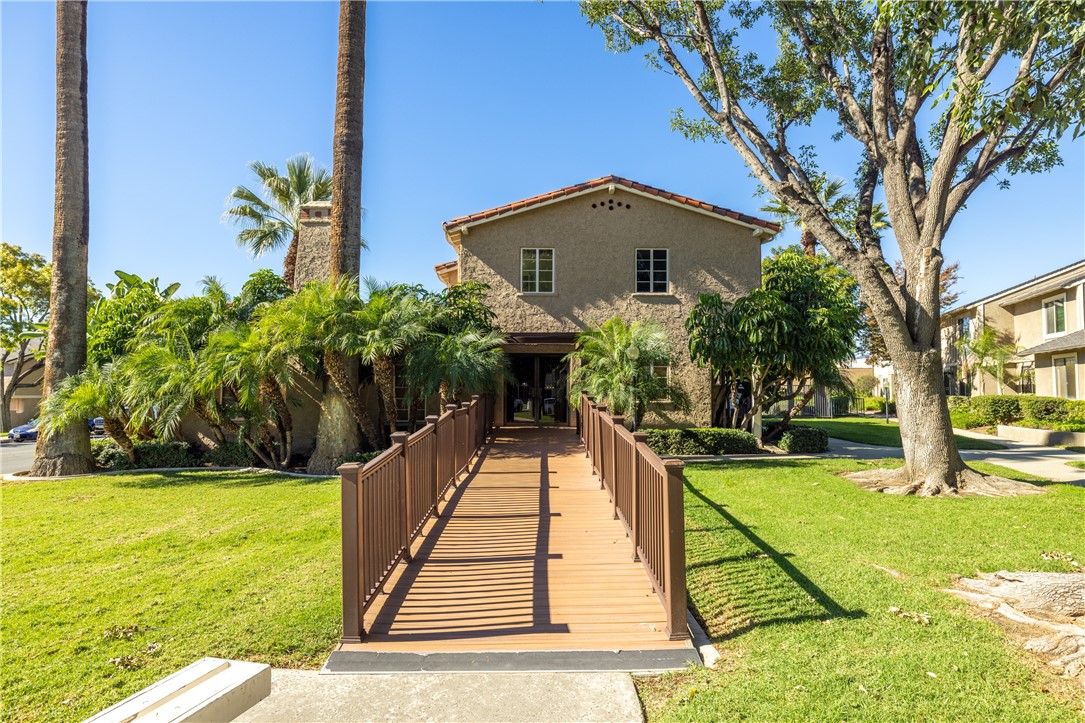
point(538, 393)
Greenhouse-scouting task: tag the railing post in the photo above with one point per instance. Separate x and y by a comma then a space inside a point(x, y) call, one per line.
point(589, 405)
point(476, 425)
point(451, 408)
point(615, 480)
point(353, 595)
point(400, 438)
point(634, 524)
point(432, 419)
point(674, 550)
point(599, 458)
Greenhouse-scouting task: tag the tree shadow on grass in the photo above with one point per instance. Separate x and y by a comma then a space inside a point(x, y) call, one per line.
point(741, 582)
point(206, 478)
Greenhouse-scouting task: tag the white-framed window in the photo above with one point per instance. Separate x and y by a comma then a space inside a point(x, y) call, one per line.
point(1055, 315)
point(653, 271)
point(1064, 372)
point(662, 372)
point(537, 271)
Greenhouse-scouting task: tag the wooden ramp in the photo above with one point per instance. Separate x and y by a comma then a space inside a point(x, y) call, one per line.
point(526, 555)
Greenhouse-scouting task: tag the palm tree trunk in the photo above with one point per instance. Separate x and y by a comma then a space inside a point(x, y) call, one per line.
point(809, 242)
point(335, 364)
point(116, 430)
point(446, 396)
point(384, 372)
point(272, 392)
point(346, 218)
point(67, 451)
point(290, 263)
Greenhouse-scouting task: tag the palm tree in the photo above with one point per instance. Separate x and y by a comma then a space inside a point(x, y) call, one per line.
point(617, 366)
point(316, 325)
point(269, 219)
point(987, 353)
point(391, 322)
point(457, 365)
point(97, 391)
point(838, 207)
point(67, 449)
point(346, 182)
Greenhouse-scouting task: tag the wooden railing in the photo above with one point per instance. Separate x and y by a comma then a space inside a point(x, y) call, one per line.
point(387, 502)
point(646, 493)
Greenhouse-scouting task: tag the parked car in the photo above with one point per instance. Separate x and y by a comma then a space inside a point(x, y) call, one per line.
point(24, 432)
point(97, 425)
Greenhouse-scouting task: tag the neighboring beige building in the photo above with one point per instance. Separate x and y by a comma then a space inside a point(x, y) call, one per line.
point(1044, 317)
point(558, 262)
point(27, 395)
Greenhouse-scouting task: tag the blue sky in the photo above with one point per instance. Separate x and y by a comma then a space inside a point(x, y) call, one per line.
point(468, 106)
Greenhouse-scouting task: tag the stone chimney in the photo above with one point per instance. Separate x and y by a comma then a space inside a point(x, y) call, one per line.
point(314, 243)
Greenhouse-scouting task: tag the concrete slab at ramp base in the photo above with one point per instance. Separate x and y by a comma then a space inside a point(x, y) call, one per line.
point(345, 662)
point(300, 695)
point(211, 689)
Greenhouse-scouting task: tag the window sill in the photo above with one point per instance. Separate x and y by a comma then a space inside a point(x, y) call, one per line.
point(1055, 335)
point(654, 293)
point(537, 293)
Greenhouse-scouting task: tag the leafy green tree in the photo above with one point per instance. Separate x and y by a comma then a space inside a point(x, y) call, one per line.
point(116, 320)
point(616, 363)
point(935, 99)
point(269, 218)
point(987, 353)
point(779, 342)
point(24, 305)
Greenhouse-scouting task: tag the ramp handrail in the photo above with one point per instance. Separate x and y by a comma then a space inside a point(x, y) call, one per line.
point(647, 496)
point(387, 501)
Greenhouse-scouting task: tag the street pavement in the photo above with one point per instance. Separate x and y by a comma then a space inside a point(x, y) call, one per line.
point(16, 457)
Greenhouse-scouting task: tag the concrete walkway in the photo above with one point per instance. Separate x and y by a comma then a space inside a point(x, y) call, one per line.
point(1045, 462)
point(298, 695)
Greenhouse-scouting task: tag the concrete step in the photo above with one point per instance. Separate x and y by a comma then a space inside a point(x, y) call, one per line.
point(211, 689)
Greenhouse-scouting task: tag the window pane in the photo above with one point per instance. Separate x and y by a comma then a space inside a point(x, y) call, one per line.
point(1060, 317)
point(546, 254)
point(660, 255)
point(546, 285)
point(643, 254)
point(644, 287)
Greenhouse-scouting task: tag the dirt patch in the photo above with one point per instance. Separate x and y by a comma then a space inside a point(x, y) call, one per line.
point(1044, 612)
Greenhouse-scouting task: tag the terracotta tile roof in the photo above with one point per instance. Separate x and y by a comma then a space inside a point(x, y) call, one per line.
point(606, 181)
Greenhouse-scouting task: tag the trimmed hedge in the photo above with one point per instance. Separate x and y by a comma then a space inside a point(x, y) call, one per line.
point(987, 411)
point(701, 440)
point(958, 402)
point(149, 455)
point(231, 454)
point(995, 409)
point(798, 439)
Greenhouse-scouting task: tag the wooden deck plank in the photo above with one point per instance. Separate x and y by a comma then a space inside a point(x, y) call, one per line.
point(525, 555)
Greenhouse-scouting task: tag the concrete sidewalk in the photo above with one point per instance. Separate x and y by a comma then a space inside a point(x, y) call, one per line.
point(300, 695)
point(1045, 462)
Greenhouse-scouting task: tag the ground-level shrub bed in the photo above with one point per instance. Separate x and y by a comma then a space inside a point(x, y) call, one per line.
point(1023, 409)
point(866, 430)
point(149, 455)
point(701, 440)
point(111, 583)
point(781, 560)
point(799, 439)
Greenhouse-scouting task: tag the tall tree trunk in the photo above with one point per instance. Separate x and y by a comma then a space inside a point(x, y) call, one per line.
point(346, 218)
point(290, 263)
point(116, 430)
point(932, 464)
point(337, 430)
point(284, 423)
point(384, 373)
point(67, 451)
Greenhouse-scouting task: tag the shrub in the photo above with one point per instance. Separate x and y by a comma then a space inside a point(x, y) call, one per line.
point(359, 457)
point(701, 440)
point(877, 404)
point(231, 454)
point(996, 409)
point(959, 402)
point(1076, 410)
point(965, 419)
point(108, 455)
point(154, 454)
point(804, 440)
point(840, 406)
point(1044, 409)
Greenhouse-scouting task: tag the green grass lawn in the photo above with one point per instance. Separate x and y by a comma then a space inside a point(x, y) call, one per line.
point(1077, 465)
point(782, 562)
point(871, 430)
point(110, 583)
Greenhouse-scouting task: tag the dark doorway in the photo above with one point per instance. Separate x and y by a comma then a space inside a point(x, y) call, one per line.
point(538, 393)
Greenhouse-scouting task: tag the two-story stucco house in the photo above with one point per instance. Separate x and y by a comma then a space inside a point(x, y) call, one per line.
point(1044, 317)
point(580, 255)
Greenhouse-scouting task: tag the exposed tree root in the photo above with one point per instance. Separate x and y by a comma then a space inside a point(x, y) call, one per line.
point(969, 483)
point(1043, 610)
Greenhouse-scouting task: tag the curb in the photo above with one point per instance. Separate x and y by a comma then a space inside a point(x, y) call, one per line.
point(16, 477)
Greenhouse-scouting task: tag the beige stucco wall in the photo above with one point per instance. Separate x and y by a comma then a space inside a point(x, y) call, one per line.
point(1045, 378)
point(594, 278)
